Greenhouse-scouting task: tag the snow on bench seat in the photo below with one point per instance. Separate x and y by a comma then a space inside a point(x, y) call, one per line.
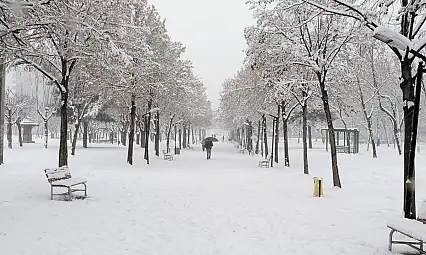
point(69, 182)
point(412, 228)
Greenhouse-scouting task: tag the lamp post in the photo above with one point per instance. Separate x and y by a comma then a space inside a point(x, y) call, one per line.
point(402, 43)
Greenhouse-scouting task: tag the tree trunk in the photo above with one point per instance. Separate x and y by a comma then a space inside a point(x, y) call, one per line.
point(124, 137)
point(331, 137)
point(192, 134)
point(188, 134)
point(143, 134)
point(9, 130)
point(184, 136)
point(46, 132)
point(175, 131)
point(168, 133)
point(310, 136)
point(85, 131)
point(272, 143)
point(147, 131)
point(277, 134)
point(18, 124)
point(285, 134)
point(305, 135)
point(74, 140)
point(2, 106)
point(63, 146)
point(132, 129)
point(265, 136)
point(408, 97)
point(397, 135)
point(262, 141)
point(367, 119)
point(249, 137)
point(180, 138)
point(157, 134)
point(258, 138)
point(411, 180)
point(396, 128)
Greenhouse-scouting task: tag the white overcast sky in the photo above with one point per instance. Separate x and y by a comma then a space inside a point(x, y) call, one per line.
point(213, 33)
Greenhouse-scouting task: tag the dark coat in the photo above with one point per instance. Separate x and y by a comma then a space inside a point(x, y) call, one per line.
point(208, 144)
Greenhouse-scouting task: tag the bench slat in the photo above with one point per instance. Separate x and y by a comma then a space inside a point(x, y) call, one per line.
point(69, 182)
point(59, 173)
point(412, 228)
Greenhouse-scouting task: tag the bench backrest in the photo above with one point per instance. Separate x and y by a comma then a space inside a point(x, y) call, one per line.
point(55, 174)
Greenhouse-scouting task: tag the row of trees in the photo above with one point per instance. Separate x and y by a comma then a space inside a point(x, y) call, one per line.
point(103, 57)
point(310, 54)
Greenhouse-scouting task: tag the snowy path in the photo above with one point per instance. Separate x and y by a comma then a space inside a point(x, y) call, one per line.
point(191, 205)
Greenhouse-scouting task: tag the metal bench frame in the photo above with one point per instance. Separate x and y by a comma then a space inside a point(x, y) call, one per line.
point(265, 162)
point(63, 173)
point(167, 156)
point(408, 243)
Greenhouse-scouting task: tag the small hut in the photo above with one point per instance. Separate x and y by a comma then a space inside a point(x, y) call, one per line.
point(27, 126)
point(347, 140)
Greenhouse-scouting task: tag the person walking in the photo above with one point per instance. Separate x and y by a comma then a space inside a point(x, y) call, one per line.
point(208, 145)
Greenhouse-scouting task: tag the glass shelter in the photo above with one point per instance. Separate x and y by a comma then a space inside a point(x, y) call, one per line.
point(347, 140)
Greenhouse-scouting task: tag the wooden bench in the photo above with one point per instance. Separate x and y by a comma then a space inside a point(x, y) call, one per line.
point(411, 228)
point(265, 162)
point(342, 149)
point(167, 156)
point(61, 178)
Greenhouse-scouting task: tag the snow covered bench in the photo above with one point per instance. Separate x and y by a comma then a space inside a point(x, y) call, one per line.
point(243, 150)
point(412, 228)
point(167, 156)
point(265, 162)
point(342, 149)
point(61, 178)
point(190, 147)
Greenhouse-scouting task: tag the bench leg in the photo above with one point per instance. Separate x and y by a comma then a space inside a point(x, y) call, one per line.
point(69, 194)
point(85, 189)
point(391, 239)
point(51, 192)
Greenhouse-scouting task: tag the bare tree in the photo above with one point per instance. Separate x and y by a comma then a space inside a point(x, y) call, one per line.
point(17, 107)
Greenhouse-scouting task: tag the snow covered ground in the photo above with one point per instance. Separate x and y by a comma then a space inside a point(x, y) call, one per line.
point(226, 205)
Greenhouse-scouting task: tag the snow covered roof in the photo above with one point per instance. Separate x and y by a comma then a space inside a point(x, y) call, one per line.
point(27, 121)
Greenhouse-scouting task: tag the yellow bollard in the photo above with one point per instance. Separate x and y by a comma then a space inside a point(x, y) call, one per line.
point(318, 187)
